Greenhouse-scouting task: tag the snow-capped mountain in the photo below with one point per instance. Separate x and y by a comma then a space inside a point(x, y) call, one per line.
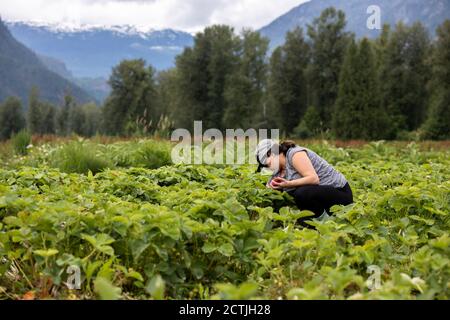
point(92, 50)
point(21, 70)
point(430, 13)
point(74, 28)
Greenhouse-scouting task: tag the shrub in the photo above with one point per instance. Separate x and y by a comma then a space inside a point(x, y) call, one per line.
point(153, 155)
point(77, 157)
point(21, 141)
point(310, 126)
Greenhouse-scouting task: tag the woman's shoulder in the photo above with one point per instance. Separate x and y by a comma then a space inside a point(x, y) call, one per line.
point(292, 151)
point(297, 148)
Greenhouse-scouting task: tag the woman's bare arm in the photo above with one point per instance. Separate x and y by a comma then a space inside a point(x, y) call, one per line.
point(303, 165)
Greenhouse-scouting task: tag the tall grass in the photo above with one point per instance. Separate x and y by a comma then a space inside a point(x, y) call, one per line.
point(148, 154)
point(78, 157)
point(153, 154)
point(21, 141)
point(6, 152)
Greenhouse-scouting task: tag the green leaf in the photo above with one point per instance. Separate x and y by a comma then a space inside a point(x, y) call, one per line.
point(197, 269)
point(46, 253)
point(106, 271)
point(106, 290)
point(138, 247)
point(156, 287)
point(100, 242)
point(226, 249)
point(428, 222)
point(209, 247)
point(90, 269)
point(135, 275)
point(441, 242)
point(13, 221)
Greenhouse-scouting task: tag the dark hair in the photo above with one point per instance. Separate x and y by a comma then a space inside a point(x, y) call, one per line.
point(283, 148)
point(286, 145)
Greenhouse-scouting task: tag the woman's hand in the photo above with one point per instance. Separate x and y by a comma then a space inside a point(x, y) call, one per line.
point(279, 183)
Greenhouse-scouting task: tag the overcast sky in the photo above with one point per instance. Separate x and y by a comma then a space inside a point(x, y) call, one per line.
point(188, 15)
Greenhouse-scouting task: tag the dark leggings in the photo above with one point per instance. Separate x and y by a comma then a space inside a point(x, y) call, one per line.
point(320, 198)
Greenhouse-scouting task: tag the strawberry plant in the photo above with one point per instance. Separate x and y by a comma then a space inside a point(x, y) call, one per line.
point(202, 232)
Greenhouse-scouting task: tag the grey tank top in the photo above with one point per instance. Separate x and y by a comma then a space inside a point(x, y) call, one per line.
point(328, 176)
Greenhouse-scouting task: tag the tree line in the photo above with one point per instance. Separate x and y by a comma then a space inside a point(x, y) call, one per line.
point(322, 82)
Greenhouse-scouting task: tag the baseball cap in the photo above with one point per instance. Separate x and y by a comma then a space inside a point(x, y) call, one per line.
point(263, 151)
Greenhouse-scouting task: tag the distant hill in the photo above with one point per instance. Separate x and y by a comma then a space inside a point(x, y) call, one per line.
point(430, 12)
point(91, 52)
point(21, 69)
point(97, 88)
point(56, 66)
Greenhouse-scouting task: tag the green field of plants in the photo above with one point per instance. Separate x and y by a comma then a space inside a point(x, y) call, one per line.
point(130, 225)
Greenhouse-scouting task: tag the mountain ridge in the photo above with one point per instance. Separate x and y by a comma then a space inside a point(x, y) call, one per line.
point(97, 88)
point(101, 49)
point(77, 28)
point(91, 51)
point(431, 13)
point(21, 70)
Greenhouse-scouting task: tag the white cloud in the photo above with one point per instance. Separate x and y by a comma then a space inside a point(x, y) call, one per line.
point(165, 48)
point(188, 15)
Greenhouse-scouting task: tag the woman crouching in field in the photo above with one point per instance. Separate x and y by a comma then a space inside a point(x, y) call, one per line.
point(311, 180)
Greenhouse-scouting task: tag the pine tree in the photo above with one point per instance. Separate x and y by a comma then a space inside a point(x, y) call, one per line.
point(346, 120)
point(437, 125)
point(34, 115)
point(244, 90)
point(288, 82)
point(329, 41)
point(374, 117)
point(404, 77)
point(203, 72)
point(133, 98)
point(77, 119)
point(62, 116)
point(310, 125)
point(358, 113)
point(380, 47)
point(92, 120)
point(276, 86)
point(169, 97)
point(296, 60)
point(12, 119)
point(48, 112)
